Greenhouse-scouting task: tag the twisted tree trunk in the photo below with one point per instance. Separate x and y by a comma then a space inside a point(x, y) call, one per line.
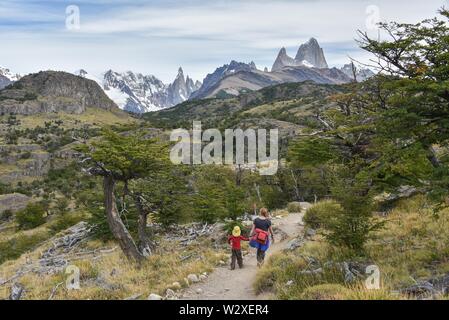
point(116, 225)
point(146, 246)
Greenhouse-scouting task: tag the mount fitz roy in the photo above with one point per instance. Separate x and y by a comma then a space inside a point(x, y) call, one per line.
point(309, 64)
point(139, 93)
point(309, 54)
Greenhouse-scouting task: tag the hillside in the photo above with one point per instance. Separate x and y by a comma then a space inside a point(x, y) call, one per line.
point(292, 102)
point(51, 91)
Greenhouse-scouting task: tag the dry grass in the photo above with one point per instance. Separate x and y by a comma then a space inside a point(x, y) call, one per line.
point(112, 276)
point(92, 116)
point(413, 247)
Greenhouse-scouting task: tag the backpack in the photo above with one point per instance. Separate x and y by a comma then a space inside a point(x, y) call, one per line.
point(261, 236)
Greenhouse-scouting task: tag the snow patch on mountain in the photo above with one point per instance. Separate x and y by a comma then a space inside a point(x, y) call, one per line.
point(7, 77)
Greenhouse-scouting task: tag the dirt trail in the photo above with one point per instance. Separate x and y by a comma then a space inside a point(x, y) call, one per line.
point(226, 284)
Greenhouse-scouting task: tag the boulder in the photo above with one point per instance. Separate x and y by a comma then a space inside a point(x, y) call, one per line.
point(193, 278)
point(176, 286)
point(154, 296)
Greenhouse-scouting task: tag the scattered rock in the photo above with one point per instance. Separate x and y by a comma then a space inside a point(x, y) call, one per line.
point(113, 272)
point(202, 277)
point(349, 275)
point(402, 192)
point(154, 296)
point(222, 263)
point(420, 290)
point(294, 243)
point(289, 283)
point(310, 232)
point(193, 278)
point(170, 293)
point(176, 286)
point(16, 291)
point(199, 291)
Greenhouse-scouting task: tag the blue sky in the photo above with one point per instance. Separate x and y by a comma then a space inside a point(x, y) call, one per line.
point(156, 37)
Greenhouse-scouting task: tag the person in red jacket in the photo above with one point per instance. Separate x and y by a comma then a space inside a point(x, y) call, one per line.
point(234, 240)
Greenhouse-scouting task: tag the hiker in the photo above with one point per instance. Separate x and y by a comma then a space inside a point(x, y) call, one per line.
point(260, 235)
point(235, 240)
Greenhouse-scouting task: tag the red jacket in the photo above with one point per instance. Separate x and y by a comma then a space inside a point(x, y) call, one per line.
point(235, 241)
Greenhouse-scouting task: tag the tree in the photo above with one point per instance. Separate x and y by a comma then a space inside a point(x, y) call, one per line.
point(414, 117)
point(123, 158)
point(353, 225)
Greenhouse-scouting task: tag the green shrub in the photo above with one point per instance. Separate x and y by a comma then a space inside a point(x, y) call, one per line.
point(319, 214)
point(14, 248)
point(65, 221)
point(30, 217)
point(294, 207)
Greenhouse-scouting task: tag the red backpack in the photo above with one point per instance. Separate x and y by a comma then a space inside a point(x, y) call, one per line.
point(261, 236)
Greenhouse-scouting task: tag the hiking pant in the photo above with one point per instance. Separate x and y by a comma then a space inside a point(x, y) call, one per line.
point(260, 255)
point(236, 256)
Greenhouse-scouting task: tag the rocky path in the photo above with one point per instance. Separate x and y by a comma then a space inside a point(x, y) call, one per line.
point(226, 284)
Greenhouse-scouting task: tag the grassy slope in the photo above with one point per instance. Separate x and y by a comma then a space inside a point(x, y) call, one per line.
point(92, 116)
point(111, 276)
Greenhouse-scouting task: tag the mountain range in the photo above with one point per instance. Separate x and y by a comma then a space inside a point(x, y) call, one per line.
point(138, 93)
point(309, 64)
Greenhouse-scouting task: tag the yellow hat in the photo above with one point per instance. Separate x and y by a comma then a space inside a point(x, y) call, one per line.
point(236, 232)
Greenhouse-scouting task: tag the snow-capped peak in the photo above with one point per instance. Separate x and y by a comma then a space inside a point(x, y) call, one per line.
point(8, 74)
point(140, 93)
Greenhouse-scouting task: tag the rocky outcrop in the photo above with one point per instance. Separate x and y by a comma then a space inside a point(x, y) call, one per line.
point(311, 53)
point(23, 161)
point(4, 81)
point(283, 60)
point(51, 91)
point(13, 202)
point(181, 89)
